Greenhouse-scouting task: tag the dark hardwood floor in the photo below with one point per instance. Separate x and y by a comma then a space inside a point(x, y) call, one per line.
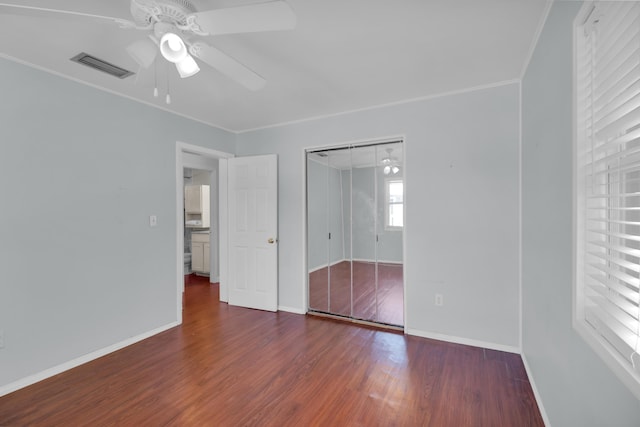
point(384, 304)
point(229, 366)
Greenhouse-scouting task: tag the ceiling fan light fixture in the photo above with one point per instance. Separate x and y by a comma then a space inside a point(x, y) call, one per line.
point(143, 52)
point(395, 169)
point(387, 170)
point(187, 67)
point(172, 48)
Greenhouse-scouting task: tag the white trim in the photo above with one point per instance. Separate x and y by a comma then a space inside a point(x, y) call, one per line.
point(461, 340)
point(325, 164)
point(291, 310)
point(223, 221)
point(328, 265)
point(204, 151)
point(237, 132)
point(355, 143)
point(536, 37)
point(111, 91)
point(389, 104)
point(610, 357)
point(536, 393)
point(520, 223)
point(305, 262)
point(575, 310)
point(405, 320)
point(179, 232)
point(379, 261)
point(48, 373)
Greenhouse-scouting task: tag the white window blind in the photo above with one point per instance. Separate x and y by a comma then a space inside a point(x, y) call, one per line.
point(608, 178)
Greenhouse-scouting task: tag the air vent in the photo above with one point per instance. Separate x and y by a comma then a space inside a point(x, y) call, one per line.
point(100, 65)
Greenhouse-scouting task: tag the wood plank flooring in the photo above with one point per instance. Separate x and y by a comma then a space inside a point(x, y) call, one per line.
point(229, 366)
point(384, 304)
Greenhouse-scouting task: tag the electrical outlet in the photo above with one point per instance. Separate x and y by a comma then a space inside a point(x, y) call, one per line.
point(439, 300)
point(1, 339)
point(153, 221)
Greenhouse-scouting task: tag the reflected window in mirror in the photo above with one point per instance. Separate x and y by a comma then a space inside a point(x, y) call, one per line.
point(394, 206)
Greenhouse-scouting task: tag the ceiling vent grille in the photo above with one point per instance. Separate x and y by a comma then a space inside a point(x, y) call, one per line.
point(100, 65)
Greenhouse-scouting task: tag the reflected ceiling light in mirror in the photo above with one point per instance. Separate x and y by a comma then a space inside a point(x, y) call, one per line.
point(390, 163)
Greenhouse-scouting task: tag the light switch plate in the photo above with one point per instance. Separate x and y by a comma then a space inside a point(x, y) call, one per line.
point(153, 221)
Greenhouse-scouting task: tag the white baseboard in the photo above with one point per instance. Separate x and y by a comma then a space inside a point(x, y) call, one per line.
point(380, 261)
point(47, 373)
point(325, 265)
point(460, 340)
point(532, 382)
point(291, 309)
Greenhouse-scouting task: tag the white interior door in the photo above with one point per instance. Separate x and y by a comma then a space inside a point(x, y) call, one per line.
point(253, 232)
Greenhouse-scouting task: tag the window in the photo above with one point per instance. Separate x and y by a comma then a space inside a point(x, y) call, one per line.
point(394, 207)
point(607, 184)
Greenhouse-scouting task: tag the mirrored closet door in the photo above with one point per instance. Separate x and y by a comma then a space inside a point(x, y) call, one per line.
point(355, 215)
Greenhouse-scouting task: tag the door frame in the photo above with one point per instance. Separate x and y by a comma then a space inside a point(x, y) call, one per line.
point(354, 143)
point(207, 154)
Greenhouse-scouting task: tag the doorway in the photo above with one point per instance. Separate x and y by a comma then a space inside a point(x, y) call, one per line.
point(200, 223)
point(214, 162)
point(355, 228)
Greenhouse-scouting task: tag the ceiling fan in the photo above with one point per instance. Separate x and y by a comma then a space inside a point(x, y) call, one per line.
point(176, 29)
point(390, 163)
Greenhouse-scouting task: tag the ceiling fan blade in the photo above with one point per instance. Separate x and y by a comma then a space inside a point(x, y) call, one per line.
point(44, 11)
point(269, 16)
point(227, 66)
point(143, 51)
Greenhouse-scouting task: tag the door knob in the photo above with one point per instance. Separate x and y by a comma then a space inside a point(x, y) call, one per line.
point(271, 241)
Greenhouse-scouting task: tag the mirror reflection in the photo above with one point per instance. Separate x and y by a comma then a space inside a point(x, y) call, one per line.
point(355, 223)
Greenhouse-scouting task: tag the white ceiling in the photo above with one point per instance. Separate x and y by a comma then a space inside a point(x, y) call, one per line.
point(343, 55)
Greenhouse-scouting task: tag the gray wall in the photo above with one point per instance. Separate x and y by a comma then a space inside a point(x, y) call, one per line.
point(336, 221)
point(576, 388)
point(462, 208)
point(346, 210)
point(80, 268)
point(364, 213)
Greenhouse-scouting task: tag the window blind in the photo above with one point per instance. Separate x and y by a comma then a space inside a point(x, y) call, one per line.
point(608, 138)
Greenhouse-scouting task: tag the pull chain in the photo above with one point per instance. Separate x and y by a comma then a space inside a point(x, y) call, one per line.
point(155, 78)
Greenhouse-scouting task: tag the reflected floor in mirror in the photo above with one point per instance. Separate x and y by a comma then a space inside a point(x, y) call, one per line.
point(384, 306)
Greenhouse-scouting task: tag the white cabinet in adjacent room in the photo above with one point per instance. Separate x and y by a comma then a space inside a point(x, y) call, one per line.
point(200, 249)
point(207, 259)
point(196, 206)
point(197, 257)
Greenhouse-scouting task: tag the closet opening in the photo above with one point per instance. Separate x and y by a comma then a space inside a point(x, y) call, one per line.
point(355, 228)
